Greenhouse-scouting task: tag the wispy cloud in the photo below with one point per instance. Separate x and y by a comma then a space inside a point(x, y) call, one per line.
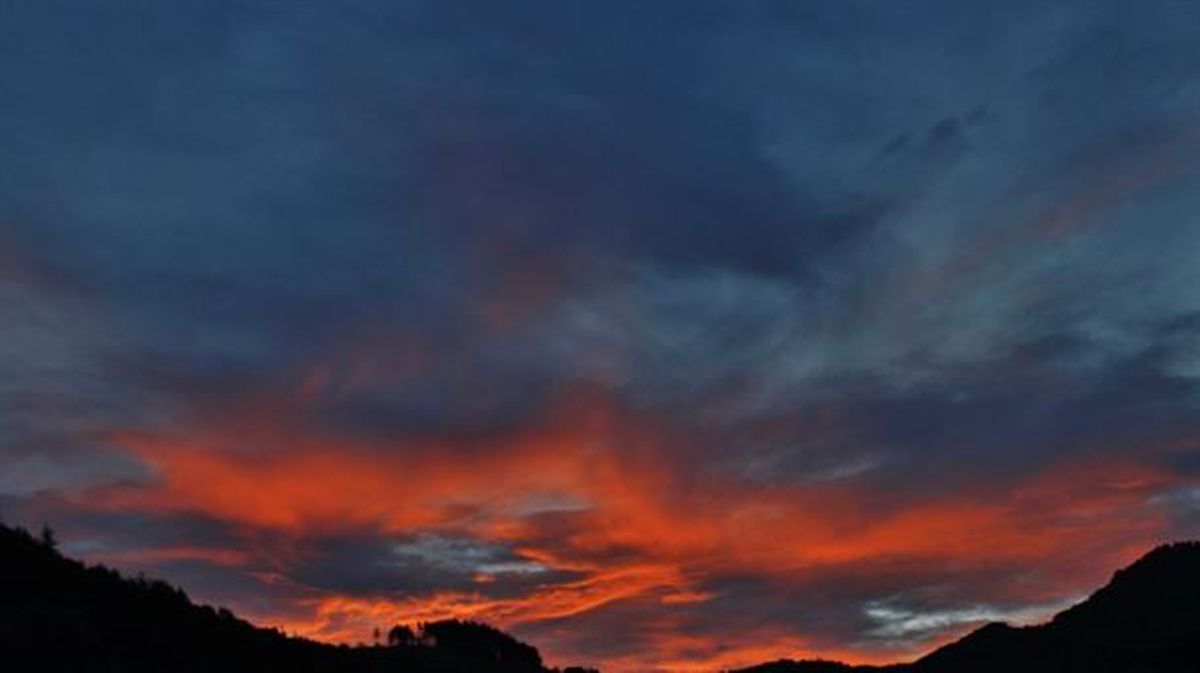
point(697, 325)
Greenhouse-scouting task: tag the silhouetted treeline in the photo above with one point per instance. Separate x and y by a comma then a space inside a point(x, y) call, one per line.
point(810, 666)
point(1146, 620)
point(57, 615)
point(471, 639)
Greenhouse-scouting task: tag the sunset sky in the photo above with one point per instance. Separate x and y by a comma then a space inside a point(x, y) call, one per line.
point(665, 335)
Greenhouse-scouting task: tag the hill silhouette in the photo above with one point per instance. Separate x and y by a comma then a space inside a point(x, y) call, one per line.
point(1145, 620)
point(56, 614)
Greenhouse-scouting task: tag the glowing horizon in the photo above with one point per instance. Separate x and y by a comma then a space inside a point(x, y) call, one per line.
point(666, 336)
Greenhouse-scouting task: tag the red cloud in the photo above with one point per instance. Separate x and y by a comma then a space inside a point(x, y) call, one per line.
point(635, 528)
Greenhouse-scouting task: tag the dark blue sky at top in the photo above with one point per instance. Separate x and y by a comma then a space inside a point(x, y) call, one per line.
point(918, 245)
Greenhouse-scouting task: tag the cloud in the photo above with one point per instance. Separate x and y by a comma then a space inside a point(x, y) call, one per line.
point(446, 529)
point(669, 336)
point(902, 623)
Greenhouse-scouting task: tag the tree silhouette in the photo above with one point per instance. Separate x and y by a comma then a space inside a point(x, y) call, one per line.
point(58, 615)
point(402, 636)
point(49, 539)
point(473, 640)
point(64, 616)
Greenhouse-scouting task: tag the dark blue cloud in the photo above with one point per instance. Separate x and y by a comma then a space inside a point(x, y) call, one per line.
point(841, 243)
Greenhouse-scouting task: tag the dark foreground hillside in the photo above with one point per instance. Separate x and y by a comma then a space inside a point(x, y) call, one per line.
point(58, 615)
point(1145, 620)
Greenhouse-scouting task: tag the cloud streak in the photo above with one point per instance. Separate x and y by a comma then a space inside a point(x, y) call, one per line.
point(671, 337)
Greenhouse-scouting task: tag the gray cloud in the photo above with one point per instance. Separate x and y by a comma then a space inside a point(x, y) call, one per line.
point(921, 250)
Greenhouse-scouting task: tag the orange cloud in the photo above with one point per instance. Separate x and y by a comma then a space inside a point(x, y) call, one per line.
point(346, 619)
point(632, 527)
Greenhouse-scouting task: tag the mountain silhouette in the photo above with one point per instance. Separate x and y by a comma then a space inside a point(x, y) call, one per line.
point(1145, 620)
point(56, 614)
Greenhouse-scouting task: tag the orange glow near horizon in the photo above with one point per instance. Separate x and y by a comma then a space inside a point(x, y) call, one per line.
point(633, 531)
point(669, 338)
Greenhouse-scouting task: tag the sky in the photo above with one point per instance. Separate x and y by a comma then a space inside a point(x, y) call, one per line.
point(667, 336)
